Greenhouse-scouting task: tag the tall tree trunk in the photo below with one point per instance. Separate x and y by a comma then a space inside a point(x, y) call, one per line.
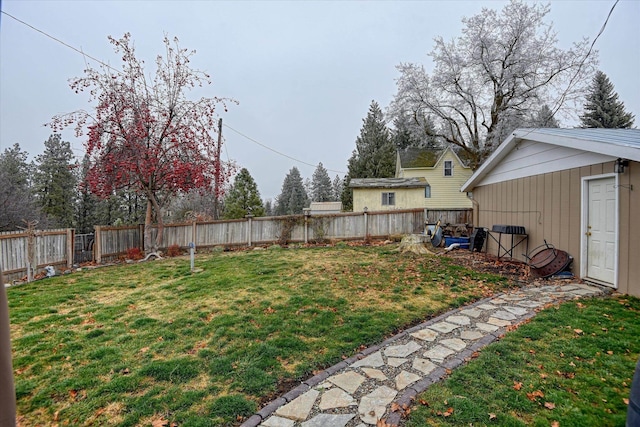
point(158, 211)
point(148, 243)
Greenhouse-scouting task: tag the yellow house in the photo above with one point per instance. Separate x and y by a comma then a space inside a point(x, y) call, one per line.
point(424, 179)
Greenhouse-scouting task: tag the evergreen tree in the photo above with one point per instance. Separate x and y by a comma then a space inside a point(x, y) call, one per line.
point(292, 198)
point(338, 185)
point(413, 131)
point(602, 108)
point(243, 197)
point(55, 182)
point(375, 153)
point(16, 196)
point(544, 118)
point(268, 208)
point(321, 189)
point(87, 206)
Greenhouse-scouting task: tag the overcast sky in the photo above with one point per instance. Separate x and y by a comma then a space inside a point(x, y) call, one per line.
point(304, 73)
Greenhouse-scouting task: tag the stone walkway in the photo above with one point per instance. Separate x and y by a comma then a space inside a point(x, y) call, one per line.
point(359, 391)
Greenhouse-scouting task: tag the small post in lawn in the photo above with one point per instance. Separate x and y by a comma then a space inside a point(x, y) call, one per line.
point(192, 251)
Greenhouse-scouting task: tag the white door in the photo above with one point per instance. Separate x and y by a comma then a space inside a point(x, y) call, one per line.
point(601, 230)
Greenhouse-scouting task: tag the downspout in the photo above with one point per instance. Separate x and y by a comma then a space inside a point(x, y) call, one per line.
point(476, 210)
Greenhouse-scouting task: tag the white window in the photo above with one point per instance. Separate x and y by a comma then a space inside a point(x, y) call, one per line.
point(427, 192)
point(388, 199)
point(448, 168)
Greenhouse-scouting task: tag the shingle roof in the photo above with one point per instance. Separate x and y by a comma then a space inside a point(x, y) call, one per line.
point(419, 157)
point(426, 157)
point(387, 183)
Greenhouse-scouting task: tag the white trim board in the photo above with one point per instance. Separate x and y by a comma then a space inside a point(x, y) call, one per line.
point(535, 158)
point(584, 199)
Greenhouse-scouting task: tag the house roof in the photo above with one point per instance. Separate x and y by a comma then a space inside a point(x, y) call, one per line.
point(623, 143)
point(326, 206)
point(411, 158)
point(388, 183)
point(419, 157)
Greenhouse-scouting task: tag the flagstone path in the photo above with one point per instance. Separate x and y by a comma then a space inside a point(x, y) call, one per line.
point(359, 391)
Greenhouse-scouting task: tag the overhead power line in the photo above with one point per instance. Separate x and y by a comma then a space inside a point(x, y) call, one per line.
point(84, 54)
point(61, 42)
point(276, 151)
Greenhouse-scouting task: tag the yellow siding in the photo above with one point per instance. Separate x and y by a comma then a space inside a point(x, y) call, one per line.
point(445, 190)
point(406, 198)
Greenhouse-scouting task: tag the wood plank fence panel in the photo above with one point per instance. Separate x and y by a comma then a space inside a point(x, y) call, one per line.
point(450, 216)
point(115, 241)
point(50, 247)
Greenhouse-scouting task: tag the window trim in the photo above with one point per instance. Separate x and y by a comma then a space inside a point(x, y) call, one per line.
point(450, 169)
point(388, 198)
point(427, 191)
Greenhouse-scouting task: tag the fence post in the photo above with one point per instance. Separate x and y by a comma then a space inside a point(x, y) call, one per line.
point(141, 241)
point(366, 223)
point(307, 214)
point(249, 223)
point(97, 244)
point(70, 247)
point(194, 232)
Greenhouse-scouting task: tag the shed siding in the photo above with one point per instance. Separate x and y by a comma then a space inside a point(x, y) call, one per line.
point(629, 267)
point(549, 206)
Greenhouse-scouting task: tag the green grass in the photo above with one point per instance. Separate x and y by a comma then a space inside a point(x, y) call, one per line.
point(570, 365)
point(131, 344)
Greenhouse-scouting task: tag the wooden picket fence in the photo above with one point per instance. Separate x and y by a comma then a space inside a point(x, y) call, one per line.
point(21, 251)
point(113, 242)
point(36, 249)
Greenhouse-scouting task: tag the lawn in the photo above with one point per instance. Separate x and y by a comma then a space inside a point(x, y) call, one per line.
point(152, 342)
point(572, 365)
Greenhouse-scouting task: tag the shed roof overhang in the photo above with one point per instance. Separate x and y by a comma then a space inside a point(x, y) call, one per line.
point(617, 143)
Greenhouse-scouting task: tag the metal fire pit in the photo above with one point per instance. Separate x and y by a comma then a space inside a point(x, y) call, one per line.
point(546, 260)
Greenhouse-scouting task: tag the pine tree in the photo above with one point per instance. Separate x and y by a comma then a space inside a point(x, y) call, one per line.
point(55, 182)
point(544, 119)
point(243, 197)
point(321, 189)
point(16, 196)
point(268, 208)
point(602, 107)
point(86, 216)
point(293, 197)
point(375, 153)
point(338, 185)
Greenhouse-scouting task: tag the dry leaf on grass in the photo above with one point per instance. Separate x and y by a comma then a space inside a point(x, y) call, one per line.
point(517, 386)
point(549, 405)
point(534, 395)
point(160, 422)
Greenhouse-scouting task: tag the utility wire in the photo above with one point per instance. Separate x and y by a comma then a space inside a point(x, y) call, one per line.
point(276, 151)
point(561, 100)
point(85, 55)
point(61, 42)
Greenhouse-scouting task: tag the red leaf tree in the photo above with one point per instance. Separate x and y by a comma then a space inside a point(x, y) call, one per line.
point(146, 135)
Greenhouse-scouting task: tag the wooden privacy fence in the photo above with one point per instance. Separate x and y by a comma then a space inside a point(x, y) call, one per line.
point(25, 253)
point(113, 242)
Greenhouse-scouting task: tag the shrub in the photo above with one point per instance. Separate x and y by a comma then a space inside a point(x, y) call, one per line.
point(134, 254)
point(173, 251)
